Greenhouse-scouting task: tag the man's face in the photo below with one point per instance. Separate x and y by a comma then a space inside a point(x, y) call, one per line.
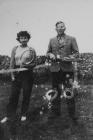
point(60, 28)
point(23, 40)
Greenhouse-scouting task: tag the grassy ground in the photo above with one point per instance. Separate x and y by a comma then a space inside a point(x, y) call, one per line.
point(37, 126)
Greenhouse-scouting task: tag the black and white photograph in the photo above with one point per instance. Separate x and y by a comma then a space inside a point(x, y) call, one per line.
point(46, 70)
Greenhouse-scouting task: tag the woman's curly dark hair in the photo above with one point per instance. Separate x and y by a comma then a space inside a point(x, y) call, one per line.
point(23, 33)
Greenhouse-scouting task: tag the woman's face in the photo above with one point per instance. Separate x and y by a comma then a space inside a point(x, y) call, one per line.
point(23, 40)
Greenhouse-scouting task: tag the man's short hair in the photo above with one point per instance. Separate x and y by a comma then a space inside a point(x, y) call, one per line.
point(59, 23)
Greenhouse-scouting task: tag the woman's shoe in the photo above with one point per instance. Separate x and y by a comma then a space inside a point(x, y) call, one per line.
point(5, 119)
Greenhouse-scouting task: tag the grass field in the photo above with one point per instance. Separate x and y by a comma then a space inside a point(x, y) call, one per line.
point(37, 127)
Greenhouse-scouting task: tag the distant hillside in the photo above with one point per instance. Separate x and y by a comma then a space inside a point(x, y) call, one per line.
point(86, 65)
point(4, 62)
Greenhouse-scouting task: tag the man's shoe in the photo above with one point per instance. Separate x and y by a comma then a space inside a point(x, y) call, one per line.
point(54, 115)
point(23, 118)
point(5, 119)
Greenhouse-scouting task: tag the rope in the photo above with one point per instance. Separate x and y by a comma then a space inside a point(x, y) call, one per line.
point(3, 71)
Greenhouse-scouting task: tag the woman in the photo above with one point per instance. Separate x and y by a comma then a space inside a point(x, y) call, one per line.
point(23, 79)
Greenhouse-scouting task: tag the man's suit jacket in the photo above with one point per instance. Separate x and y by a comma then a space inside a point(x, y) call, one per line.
point(65, 49)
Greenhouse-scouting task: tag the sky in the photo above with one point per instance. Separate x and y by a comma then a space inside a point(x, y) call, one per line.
point(39, 17)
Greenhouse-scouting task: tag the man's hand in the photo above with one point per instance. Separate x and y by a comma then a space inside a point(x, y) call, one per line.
point(52, 56)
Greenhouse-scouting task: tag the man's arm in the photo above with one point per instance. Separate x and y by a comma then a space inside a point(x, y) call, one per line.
point(49, 53)
point(75, 50)
point(49, 49)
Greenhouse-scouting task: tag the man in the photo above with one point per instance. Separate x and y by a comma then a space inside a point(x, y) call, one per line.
point(62, 46)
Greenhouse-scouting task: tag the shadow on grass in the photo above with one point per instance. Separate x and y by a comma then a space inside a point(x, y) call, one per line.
point(37, 126)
